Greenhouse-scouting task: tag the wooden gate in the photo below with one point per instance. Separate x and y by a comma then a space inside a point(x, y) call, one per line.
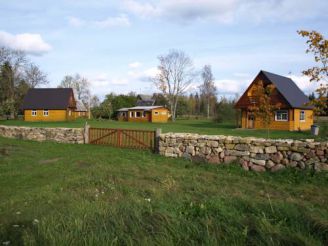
point(123, 138)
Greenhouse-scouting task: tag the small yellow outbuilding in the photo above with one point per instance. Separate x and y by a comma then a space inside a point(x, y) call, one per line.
point(144, 114)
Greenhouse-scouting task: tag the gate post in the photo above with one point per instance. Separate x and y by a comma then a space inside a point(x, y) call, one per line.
point(86, 133)
point(157, 139)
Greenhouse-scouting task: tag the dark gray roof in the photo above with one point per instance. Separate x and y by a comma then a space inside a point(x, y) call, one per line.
point(290, 91)
point(145, 100)
point(47, 98)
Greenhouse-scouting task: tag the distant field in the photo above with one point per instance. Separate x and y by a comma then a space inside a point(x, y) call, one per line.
point(192, 126)
point(61, 194)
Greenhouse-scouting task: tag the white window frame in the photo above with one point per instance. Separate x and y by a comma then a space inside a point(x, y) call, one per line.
point(46, 112)
point(302, 115)
point(69, 113)
point(143, 114)
point(280, 118)
point(164, 113)
point(34, 112)
point(131, 114)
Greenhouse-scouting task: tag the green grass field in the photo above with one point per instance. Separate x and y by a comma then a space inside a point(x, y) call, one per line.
point(192, 126)
point(60, 194)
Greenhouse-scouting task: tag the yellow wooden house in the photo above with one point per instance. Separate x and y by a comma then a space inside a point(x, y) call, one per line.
point(49, 104)
point(144, 114)
point(294, 113)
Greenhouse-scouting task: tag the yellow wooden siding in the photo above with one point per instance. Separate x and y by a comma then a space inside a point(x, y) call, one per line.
point(302, 125)
point(243, 119)
point(70, 114)
point(54, 115)
point(162, 115)
point(293, 123)
point(80, 114)
point(274, 125)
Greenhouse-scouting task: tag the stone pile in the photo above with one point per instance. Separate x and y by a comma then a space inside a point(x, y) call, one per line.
point(251, 153)
point(60, 135)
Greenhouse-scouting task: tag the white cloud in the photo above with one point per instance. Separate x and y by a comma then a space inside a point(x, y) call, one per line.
point(135, 65)
point(141, 9)
point(143, 75)
point(117, 21)
point(231, 87)
point(120, 81)
point(31, 43)
point(109, 22)
point(303, 82)
point(103, 83)
point(228, 10)
point(75, 22)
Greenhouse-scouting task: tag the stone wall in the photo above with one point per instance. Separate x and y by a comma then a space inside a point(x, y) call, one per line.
point(250, 153)
point(60, 135)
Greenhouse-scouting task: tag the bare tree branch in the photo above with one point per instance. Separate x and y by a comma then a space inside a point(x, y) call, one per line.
point(176, 73)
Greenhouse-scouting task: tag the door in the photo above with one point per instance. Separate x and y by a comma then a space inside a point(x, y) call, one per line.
point(251, 121)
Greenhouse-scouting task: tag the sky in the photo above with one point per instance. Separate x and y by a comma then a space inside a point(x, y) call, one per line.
point(115, 44)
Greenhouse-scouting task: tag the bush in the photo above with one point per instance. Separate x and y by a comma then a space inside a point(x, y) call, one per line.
point(225, 111)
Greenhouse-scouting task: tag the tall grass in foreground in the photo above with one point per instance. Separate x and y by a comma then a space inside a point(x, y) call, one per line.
point(58, 194)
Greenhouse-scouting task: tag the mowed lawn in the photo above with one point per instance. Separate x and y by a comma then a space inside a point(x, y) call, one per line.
point(61, 194)
point(192, 126)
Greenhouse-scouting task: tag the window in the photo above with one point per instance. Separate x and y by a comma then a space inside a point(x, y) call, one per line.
point(123, 114)
point(33, 112)
point(163, 113)
point(156, 113)
point(45, 112)
point(302, 115)
point(281, 115)
point(69, 112)
point(131, 114)
point(144, 114)
point(138, 114)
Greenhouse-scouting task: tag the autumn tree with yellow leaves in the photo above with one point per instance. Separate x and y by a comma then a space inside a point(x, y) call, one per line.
point(263, 106)
point(318, 46)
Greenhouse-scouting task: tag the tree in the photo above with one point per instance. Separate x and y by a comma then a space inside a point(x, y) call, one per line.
point(17, 75)
point(160, 99)
point(208, 89)
point(34, 76)
point(108, 108)
point(176, 72)
point(263, 106)
point(94, 101)
point(12, 63)
point(7, 89)
point(225, 110)
point(318, 46)
point(80, 86)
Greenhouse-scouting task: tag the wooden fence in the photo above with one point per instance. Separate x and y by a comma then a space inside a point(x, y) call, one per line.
point(123, 138)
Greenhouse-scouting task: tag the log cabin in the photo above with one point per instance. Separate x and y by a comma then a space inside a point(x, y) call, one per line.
point(294, 113)
point(49, 104)
point(153, 114)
